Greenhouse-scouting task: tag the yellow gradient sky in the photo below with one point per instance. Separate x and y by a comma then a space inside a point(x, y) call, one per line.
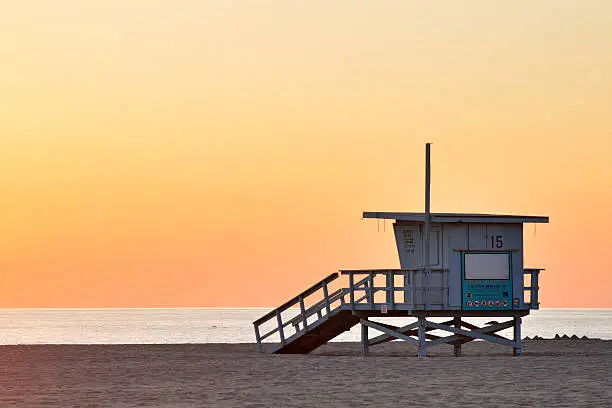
point(219, 153)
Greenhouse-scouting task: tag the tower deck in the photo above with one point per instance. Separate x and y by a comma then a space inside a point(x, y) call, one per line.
point(319, 313)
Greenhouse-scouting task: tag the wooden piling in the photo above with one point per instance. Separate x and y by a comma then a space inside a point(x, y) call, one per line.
point(516, 351)
point(365, 348)
point(457, 344)
point(422, 351)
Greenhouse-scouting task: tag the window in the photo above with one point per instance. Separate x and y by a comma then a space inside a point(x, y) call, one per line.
point(487, 266)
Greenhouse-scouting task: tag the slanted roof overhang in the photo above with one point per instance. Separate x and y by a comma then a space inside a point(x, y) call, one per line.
point(458, 217)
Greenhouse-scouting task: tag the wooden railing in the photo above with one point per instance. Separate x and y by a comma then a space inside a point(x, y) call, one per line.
point(418, 290)
point(416, 295)
point(533, 287)
point(300, 322)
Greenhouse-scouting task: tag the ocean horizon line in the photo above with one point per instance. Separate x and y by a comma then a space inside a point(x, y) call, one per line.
point(229, 308)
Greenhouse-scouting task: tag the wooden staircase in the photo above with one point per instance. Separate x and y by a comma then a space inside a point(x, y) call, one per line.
point(311, 327)
point(320, 332)
point(299, 329)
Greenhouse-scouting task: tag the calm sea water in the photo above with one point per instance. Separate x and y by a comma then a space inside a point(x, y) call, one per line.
point(208, 325)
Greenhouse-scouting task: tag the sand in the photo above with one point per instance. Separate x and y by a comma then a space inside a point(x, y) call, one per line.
point(559, 373)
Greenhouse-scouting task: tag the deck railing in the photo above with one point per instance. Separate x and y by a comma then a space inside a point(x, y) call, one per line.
point(418, 289)
point(533, 287)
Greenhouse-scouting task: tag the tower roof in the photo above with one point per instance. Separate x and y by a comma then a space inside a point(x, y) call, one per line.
point(458, 217)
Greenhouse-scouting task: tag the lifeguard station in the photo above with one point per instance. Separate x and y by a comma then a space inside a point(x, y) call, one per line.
point(472, 266)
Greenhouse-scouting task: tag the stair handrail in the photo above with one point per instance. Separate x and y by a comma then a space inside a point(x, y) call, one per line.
point(296, 299)
point(293, 301)
point(320, 305)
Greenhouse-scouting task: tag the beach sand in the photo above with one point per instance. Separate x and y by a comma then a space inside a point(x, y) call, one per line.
point(559, 373)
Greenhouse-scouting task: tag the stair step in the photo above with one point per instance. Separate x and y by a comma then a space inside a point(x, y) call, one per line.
point(319, 333)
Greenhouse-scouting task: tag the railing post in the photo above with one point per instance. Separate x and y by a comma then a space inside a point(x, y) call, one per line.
point(406, 283)
point(525, 287)
point(535, 289)
point(352, 288)
point(371, 291)
point(387, 294)
point(258, 337)
point(444, 288)
point(425, 288)
point(391, 288)
point(281, 331)
point(326, 295)
point(303, 313)
point(412, 289)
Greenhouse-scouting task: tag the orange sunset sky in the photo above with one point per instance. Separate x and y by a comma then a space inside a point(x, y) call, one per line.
point(220, 153)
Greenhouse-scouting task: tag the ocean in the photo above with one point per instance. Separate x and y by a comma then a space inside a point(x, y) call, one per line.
point(216, 325)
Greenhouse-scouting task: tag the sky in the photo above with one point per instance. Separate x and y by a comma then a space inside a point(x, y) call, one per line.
point(220, 153)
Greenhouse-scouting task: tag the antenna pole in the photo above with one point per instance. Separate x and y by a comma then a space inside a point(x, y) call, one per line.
point(427, 217)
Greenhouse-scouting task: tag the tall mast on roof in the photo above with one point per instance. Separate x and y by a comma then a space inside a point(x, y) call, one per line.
point(427, 205)
point(426, 268)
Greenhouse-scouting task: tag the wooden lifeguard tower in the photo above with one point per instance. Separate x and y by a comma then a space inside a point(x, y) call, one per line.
point(452, 265)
